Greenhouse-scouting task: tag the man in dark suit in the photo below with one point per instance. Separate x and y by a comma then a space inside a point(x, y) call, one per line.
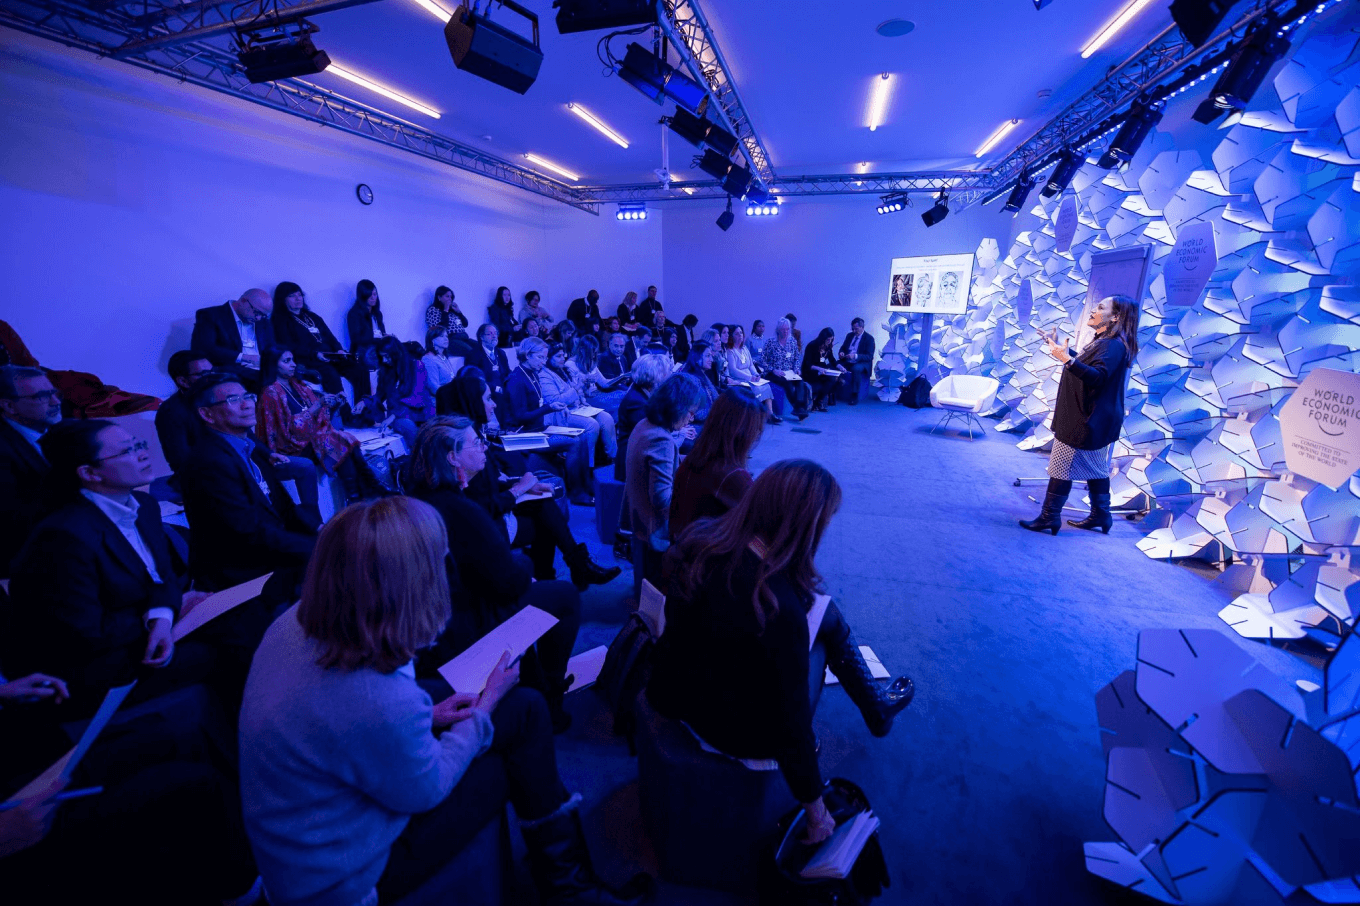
point(585, 314)
point(614, 360)
point(648, 308)
point(487, 356)
point(234, 335)
point(29, 405)
point(857, 354)
point(177, 424)
point(243, 522)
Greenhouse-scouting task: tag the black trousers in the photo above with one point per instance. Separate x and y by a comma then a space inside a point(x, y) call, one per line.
point(859, 373)
point(822, 387)
point(331, 372)
point(521, 767)
point(797, 392)
point(543, 531)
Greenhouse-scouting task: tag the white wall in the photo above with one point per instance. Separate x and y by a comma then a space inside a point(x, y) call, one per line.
point(826, 260)
point(131, 200)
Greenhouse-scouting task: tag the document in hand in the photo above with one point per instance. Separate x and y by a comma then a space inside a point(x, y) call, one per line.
point(529, 440)
point(469, 670)
point(876, 668)
point(652, 608)
point(218, 604)
point(564, 430)
point(791, 375)
point(758, 382)
point(829, 372)
point(838, 852)
point(66, 764)
point(587, 411)
point(585, 667)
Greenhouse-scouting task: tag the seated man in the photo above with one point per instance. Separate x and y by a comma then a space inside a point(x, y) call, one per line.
point(177, 424)
point(242, 521)
point(487, 356)
point(585, 314)
point(234, 335)
point(857, 354)
point(28, 407)
point(614, 360)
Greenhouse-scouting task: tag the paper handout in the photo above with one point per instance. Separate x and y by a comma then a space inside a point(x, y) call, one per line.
point(876, 668)
point(564, 430)
point(66, 764)
point(218, 604)
point(469, 670)
point(530, 440)
point(585, 667)
point(587, 411)
point(790, 375)
point(652, 608)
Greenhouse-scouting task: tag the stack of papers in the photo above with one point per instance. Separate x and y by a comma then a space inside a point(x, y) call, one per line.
point(564, 430)
point(528, 440)
point(838, 852)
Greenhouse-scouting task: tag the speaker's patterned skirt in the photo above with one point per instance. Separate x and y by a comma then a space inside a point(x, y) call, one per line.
point(1079, 465)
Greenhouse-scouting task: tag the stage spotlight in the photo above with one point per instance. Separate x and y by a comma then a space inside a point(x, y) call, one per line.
point(1248, 69)
point(699, 132)
point(1069, 162)
point(1141, 118)
point(891, 204)
point(632, 211)
point(725, 218)
point(593, 15)
point(659, 80)
point(1023, 187)
point(939, 212)
point(268, 61)
point(762, 209)
point(735, 180)
point(1198, 19)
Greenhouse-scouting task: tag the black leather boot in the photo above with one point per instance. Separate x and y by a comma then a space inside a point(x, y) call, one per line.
point(560, 864)
point(877, 703)
point(585, 571)
point(1100, 518)
point(1050, 517)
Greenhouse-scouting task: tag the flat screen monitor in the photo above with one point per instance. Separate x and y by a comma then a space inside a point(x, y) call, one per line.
point(930, 284)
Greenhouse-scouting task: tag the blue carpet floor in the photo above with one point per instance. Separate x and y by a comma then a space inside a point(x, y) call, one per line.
point(993, 778)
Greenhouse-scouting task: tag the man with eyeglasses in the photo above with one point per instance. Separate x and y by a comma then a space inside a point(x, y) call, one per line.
point(243, 523)
point(29, 405)
point(234, 335)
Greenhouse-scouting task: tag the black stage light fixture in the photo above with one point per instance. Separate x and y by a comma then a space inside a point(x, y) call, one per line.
point(493, 52)
point(659, 80)
point(1023, 187)
point(699, 132)
point(593, 15)
point(735, 180)
point(1264, 47)
point(939, 212)
point(1069, 162)
point(282, 59)
point(1142, 116)
point(891, 204)
point(725, 218)
point(1198, 19)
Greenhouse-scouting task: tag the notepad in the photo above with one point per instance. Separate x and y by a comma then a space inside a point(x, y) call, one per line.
point(215, 605)
point(652, 608)
point(587, 411)
point(876, 668)
point(585, 667)
point(531, 440)
point(530, 495)
point(469, 670)
point(758, 382)
point(791, 375)
point(838, 853)
point(828, 372)
point(564, 430)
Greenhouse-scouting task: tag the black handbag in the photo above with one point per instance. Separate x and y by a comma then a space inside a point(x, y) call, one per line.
point(786, 887)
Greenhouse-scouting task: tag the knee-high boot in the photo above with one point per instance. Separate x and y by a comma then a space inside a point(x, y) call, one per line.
point(877, 703)
point(1099, 518)
point(1050, 517)
point(560, 864)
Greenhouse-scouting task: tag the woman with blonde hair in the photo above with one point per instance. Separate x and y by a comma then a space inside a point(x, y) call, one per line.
point(357, 788)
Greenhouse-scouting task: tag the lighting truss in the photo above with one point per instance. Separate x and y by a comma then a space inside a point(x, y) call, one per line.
point(689, 31)
point(161, 23)
point(962, 185)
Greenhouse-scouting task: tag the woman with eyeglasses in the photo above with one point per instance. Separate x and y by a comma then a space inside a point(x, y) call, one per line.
point(95, 593)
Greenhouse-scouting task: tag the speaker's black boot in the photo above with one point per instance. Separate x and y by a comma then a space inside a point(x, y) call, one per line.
point(560, 864)
point(1050, 518)
point(1100, 518)
point(877, 703)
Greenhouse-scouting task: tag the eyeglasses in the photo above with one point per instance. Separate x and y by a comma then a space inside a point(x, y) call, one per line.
point(138, 447)
point(477, 443)
point(44, 395)
point(236, 398)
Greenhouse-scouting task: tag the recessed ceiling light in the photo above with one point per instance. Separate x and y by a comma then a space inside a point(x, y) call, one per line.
point(895, 28)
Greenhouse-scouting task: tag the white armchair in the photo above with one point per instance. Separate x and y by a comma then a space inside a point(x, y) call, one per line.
point(963, 395)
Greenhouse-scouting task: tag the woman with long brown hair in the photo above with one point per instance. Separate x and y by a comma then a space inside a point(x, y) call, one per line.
point(742, 588)
point(713, 477)
point(1089, 414)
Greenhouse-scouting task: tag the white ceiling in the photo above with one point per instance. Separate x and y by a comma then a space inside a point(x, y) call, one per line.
point(803, 69)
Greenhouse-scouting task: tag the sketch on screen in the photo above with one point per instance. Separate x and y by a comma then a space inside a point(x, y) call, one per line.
point(924, 289)
point(901, 291)
point(949, 289)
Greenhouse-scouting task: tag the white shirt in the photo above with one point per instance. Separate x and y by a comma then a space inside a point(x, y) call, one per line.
point(123, 515)
point(247, 332)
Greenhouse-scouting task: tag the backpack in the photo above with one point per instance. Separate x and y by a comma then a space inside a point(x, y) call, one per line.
point(916, 395)
point(627, 668)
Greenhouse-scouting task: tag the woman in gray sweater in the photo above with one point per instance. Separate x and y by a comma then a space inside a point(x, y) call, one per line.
point(355, 787)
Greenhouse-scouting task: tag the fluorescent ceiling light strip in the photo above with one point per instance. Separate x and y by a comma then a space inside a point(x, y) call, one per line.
point(549, 165)
point(590, 118)
point(1001, 132)
point(388, 93)
point(878, 100)
point(1114, 27)
point(435, 9)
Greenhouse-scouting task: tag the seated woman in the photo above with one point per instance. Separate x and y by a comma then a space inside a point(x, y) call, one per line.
point(495, 581)
point(529, 327)
point(713, 477)
point(700, 366)
point(439, 370)
point(559, 387)
point(717, 343)
point(305, 332)
point(365, 324)
point(444, 312)
point(821, 371)
point(414, 397)
point(533, 308)
point(564, 335)
point(539, 525)
point(653, 455)
point(648, 373)
point(595, 388)
point(741, 591)
point(356, 788)
point(293, 421)
point(782, 362)
point(527, 410)
point(742, 369)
